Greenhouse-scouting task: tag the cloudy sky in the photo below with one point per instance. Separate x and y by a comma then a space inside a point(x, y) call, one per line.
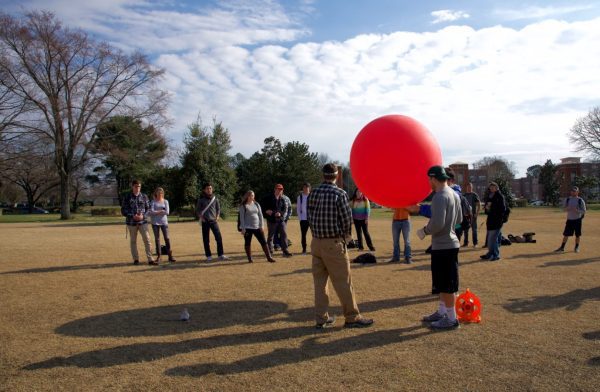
point(505, 78)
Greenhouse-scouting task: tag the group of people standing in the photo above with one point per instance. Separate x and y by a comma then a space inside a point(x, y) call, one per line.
point(329, 213)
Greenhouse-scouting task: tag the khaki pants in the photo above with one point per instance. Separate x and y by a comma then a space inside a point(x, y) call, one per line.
point(143, 230)
point(330, 261)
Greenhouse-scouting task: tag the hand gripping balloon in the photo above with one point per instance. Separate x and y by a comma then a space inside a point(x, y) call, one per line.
point(468, 308)
point(389, 160)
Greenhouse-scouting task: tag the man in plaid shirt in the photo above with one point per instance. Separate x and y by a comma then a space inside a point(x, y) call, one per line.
point(330, 219)
point(134, 208)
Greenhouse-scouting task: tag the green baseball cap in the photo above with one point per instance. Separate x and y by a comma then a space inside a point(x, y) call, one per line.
point(438, 173)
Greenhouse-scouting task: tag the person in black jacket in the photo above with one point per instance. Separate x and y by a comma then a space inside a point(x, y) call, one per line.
point(275, 210)
point(495, 208)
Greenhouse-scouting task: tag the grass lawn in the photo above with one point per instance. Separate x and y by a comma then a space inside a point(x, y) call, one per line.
point(76, 314)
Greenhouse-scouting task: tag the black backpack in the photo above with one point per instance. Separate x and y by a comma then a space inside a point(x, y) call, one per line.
point(365, 258)
point(506, 214)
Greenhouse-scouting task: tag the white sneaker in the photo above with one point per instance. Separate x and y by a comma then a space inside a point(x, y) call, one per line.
point(209, 258)
point(223, 258)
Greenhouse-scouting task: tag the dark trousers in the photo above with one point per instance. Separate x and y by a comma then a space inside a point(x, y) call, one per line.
point(280, 228)
point(304, 226)
point(258, 233)
point(361, 227)
point(214, 227)
point(156, 229)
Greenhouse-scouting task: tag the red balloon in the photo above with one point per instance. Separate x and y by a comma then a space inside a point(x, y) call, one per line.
point(390, 158)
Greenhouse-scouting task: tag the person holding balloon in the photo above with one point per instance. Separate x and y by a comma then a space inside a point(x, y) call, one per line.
point(361, 210)
point(446, 213)
point(401, 224)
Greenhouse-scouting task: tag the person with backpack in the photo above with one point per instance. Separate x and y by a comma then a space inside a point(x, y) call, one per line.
point(575, 207)
point(495, 208)
point(208, 211)
point(465, 223)
point(251, 224)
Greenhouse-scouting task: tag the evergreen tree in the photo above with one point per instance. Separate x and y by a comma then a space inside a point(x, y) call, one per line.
point(129, 150)
point(205, 160)
point(550, 182)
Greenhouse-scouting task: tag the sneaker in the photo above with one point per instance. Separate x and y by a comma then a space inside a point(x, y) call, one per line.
point(485, 257)
point(435, 316)
point(561, 249)
point(223, 258)
point(393, 260)
point(359, 323)
point(209, 258)
point(372, 248)
point(304, 253)
point(576, 249)
point(277, 248)
point(494, 258)
point(136, 262)
point(327, 324)
point(287, 254)
point(408, 260)
point(445, 323)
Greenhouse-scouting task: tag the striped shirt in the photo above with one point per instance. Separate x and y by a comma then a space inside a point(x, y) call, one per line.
point(329, 213)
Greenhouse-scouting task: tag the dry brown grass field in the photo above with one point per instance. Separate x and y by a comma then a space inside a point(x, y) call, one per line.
point(76, 314)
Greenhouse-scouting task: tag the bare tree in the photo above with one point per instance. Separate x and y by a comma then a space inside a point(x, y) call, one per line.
point(67, 83)
point(496, 167)
point(29, 166)
point(585, 134)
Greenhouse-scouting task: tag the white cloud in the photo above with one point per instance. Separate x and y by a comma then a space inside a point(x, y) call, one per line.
point(481, 92)
point(156, 26)
point(490, 91)
point(534, 12)
point(442, 16)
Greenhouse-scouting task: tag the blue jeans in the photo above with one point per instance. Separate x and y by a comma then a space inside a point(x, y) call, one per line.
point(404, 227)
point(493, 241)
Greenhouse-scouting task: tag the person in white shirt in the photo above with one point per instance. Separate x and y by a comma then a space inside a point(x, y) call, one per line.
point(301, 204)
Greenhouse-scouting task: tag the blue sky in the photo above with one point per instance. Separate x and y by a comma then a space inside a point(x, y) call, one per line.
point(504, 78)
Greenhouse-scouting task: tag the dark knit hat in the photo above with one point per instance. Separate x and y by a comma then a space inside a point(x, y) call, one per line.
point(438, 173)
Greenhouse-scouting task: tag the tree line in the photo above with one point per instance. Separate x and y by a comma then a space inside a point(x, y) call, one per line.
point(76, 112)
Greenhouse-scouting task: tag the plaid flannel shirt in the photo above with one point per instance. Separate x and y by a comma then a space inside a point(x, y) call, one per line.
point(329, 213)
point(132, 205)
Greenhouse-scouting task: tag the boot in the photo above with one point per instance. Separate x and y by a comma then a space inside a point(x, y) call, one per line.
point(248, 249)
point(265, 249)
point(155, 262)
point(171, 258)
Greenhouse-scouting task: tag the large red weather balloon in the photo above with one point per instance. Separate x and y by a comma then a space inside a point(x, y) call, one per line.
point(390, 158)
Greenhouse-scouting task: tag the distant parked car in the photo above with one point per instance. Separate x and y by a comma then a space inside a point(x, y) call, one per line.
point(25, 210)
point(536, 203)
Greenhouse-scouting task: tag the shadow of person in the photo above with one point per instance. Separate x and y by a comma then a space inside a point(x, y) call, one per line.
point(144, 352)
point(164, 320)
point(310, 349)
point(569, 263)
point(63, 268)
point(570, 301)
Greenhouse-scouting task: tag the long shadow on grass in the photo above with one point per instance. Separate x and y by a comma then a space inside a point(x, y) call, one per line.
point(68, 268)
point(142, 352)
point(595, 335)
point(310, 349)
point(570, 263)
point(164, 320)
point(570, 301)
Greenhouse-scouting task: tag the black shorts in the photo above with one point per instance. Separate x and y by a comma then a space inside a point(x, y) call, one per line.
point(572, 226)
point(444, 271)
